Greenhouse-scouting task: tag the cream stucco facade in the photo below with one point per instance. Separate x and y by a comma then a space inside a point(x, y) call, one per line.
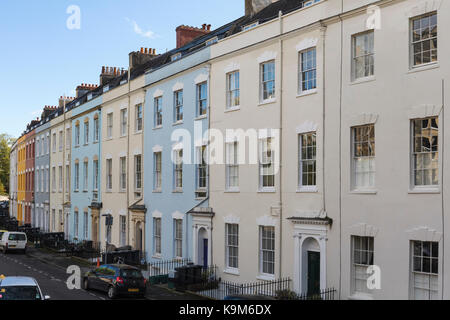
point(324, 218)
point(61, 127)
point(123, 142)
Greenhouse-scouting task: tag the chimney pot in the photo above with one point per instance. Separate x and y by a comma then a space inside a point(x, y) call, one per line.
point(208, 27)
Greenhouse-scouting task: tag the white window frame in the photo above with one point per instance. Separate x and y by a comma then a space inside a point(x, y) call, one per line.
point(264, 144)
point(109, 175)
point(139, 118)
point(123, 231)
point(157, 232)
point(202, 164)
point(123, 122)
point(138, 172)
point(86, 225)
point(371, 158)
point(178, 106)
point(365, 55)
point(308, 71)
point(61, 178)
point(232, 242)
point(85, 176)
point(157, 171)
point(109, 125)
point(418, 275)
point(96, 175)
point(233, 89)
point(178, 170)
point(96, 129)
point(431, 39)
point(302, 186)
point(178, 238)
point(158, 112)
point(426, 187)
point(232, 166)
point(366, 258)
point(77, 135)
point(123, 174)
point(262, 82)
point(86, 132)
point(263, 249)
point(201, 99)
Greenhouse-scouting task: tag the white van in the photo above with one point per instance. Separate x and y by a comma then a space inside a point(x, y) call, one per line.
point(13, 241)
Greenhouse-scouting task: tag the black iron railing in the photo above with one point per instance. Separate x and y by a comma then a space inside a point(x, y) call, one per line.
point(164, 267)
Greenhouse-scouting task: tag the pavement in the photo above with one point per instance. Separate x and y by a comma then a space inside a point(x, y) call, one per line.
point(49, 269)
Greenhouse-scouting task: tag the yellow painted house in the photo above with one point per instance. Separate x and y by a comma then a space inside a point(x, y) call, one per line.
point(21, 167)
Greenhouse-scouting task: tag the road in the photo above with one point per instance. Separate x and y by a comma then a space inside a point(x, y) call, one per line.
point(51, 279)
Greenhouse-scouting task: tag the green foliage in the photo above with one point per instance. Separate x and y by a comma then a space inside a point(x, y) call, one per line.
point(5, 148)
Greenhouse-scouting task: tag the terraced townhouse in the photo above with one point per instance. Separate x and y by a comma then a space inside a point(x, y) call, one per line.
point(344, 102)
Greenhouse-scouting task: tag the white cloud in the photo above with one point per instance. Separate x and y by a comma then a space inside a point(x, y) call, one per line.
point(138, 30)
point(36, 112)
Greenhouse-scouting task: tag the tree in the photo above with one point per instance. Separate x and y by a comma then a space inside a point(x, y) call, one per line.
point(6, 142)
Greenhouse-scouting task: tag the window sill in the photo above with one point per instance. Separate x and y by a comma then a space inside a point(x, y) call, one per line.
point(363, 191)
point(307, 189)
point(157, 128)
point(157, 256)
point(307, 93)
point(232, 271)
point(138, 132)
point(361, 296)
point(177, 123)
point(265, 277)
point(268, 101)
point(123, 136)
point(363, 80)
point(232, 109)
point(232, 190)
point(157, 191)
point(200, 117)
point(267, 190)
point(177, 191)
point(430, 190)
point(424, 67)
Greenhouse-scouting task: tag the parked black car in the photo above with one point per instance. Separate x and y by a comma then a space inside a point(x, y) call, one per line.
point(116, 279)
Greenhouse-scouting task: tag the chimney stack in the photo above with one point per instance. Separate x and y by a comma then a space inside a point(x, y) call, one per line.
point(140, 57)
point(186, 34)
point(84, 88)
point(109, 73)
point(254, 6)
point(62, 99)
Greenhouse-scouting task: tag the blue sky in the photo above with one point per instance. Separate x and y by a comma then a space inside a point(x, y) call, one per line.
point(41, 59)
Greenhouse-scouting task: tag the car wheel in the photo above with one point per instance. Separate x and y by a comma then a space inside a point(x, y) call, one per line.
point(112, 292)
point(24, 251)
point(86, 284)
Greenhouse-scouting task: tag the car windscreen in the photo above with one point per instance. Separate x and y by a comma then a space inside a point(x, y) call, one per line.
point(16, 237)
point(20, 293)
point(131, 273)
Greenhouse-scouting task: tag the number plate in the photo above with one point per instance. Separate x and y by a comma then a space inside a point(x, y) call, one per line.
point(13, 246)
point(133, 290)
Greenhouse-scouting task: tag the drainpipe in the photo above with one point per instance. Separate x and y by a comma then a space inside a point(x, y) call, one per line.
point(209, 139)
point(323, 34)
point(280, 42)
point(129, 158)
point(442, 183)
point(340, 147)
